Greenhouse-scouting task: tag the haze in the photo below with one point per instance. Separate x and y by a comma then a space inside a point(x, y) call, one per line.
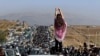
point(86, 12)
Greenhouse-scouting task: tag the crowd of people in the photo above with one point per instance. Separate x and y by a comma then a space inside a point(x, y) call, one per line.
point(31, 42)
point(42, 44)
point(81, 51)
point(41, 38)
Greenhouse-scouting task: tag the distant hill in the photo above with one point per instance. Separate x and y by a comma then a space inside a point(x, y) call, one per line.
point(5, 24)
point(31, 18)
point(47, 18)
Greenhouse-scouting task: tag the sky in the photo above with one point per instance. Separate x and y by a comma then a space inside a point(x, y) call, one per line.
point(88, 9)
point(79, 6)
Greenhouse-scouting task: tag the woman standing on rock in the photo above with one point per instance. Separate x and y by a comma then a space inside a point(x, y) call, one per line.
point(60, 27)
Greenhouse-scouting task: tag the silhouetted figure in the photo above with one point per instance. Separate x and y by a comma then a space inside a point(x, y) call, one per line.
point(85, 51)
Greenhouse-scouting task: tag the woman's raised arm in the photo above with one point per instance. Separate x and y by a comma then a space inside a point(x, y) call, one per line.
point(56, 9)
point(61, 13)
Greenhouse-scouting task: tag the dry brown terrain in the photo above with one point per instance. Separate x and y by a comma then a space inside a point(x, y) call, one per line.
point(78, 34)
point(5, 24)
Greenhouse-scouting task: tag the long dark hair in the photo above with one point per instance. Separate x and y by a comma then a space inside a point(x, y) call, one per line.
point(59, 21)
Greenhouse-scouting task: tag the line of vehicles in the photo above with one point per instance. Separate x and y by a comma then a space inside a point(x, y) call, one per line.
point(33, 40)
point(36, 40)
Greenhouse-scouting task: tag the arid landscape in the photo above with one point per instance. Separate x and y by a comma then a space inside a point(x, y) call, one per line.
point(4, 24)
point(11, 31)
point(78, 34)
